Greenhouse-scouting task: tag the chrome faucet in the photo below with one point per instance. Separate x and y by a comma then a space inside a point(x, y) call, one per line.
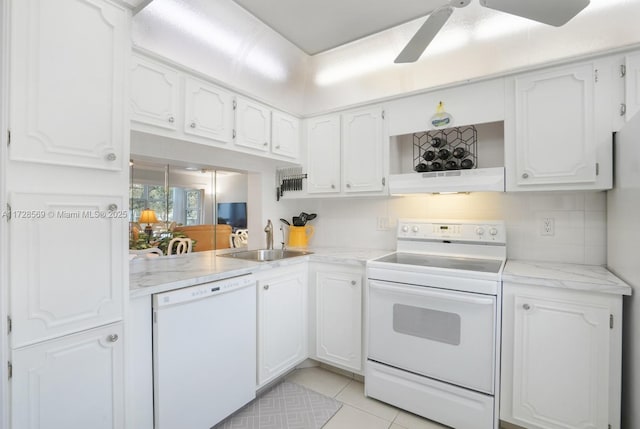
point(282, 242)
point(269, 230)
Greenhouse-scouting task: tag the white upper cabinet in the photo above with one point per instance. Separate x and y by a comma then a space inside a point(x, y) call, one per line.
point(362, 150)
point(253, 125)
point(208, 110)
point(557, 138)
point(68, 67)
point(632, 85)
point(155, 93)
point(74, 382)
point(67, 272)
point(323, 154)
point(285, 135)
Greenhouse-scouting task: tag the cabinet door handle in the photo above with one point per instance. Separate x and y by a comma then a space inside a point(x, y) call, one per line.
point(265, 287)
point(171, 119)
point(193, 125)
point(353, 282)
point(278, 147)
point(265, 144)
point(112, 207)
point(112, 338)
point(333, 186)
point(526, 306)
point(525, 175)
point(111, 156)
point(349, 185)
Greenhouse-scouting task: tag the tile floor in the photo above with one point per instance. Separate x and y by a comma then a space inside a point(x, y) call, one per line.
point(358, 411)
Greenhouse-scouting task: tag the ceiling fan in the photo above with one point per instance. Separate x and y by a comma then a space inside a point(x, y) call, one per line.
point(551, 12)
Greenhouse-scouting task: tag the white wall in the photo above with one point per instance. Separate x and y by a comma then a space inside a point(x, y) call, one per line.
point(580, 221)
point(623, 258)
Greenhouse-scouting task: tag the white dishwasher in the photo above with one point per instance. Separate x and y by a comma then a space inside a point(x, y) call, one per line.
point(204, 352)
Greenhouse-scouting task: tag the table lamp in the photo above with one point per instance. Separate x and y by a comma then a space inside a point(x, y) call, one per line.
point(148, 216)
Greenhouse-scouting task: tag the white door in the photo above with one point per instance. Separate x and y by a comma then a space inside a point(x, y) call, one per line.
point(286, 135)
point(555, 126)
point(208, 111)
point(632, 85)
point(362, 141)
point(154, 93)
point(253, 125)
point(67, 254)
point(67, 89)
point(282, 324)
point(75, 382)
point(560, 363)
point(455, 330)
point(339, 319)
point(323, 154)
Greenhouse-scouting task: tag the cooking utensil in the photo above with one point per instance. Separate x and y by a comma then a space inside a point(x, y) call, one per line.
point(286, 222)
point(311, 216)
point(297, 221)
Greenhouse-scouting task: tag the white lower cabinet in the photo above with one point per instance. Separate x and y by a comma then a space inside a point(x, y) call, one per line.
point(337, 291)
point(282, 320)
point(561, 358)
point(73, 382)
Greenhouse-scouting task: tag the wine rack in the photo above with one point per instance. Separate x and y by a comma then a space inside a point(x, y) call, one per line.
point(445, 150)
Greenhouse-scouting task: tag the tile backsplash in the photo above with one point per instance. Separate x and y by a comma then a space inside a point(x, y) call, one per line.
point(579, 220)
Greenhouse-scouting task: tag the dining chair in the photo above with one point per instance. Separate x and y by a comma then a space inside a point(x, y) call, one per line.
point(182, 245)
point(150, 252)
point(240, 238)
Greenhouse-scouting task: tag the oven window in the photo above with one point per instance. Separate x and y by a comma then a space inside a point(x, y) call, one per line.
point(427, 323)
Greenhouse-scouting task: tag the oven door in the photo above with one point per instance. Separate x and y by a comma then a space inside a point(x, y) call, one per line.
point(446, 335)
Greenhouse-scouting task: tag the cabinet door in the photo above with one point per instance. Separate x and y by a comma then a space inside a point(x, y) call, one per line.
point(68, 89)
point(286, 135)
point(632, 85)
point(560, 363)
point(75, 382)
point(323, 154)
point(555, 127)
point(154, 93)
point(339, 319)
point(362, 141)
point(67, 259)
point(253, 125)
point(208, 111)
point(282, 323)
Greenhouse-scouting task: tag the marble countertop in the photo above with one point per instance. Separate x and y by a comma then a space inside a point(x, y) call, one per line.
point(591, 278)
point(154, 275)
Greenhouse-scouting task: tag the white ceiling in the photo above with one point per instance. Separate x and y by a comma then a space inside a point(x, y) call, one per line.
point(317, 26)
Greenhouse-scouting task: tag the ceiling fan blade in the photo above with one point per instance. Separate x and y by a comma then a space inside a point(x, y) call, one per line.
point(551, 12)
point(424, 36)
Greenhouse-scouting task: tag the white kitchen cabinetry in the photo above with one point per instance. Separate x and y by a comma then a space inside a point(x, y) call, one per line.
point(57, 285)
point(323, 154)
point(561, 352)
point(74, 382)
point(345, 152)
point(282, 320)
point(208, 110)
point(253, 125)
point(67, 94)
point(285, 135)
point(558, 133)
point(155, 93)
point(362, 150)
point(632, 85)
point(337, 290)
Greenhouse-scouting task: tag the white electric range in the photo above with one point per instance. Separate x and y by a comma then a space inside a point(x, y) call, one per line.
point(434, 312)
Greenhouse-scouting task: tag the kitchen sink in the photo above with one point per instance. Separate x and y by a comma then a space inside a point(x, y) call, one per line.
point(263, 255)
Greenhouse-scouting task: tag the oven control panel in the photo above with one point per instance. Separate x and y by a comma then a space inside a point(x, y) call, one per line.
point(471, 231)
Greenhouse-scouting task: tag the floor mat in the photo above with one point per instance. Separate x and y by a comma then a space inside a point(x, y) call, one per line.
point(286, 406)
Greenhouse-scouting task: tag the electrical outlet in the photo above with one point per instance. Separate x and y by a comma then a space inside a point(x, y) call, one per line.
point(382, 224)
point(548, 227)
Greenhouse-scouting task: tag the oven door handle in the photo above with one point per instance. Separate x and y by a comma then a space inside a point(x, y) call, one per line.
point(426, 291)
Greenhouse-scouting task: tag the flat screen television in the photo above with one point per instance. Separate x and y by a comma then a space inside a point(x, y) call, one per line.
point(234, 214)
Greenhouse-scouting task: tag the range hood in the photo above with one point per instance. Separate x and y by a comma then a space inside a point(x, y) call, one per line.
point(472, 180)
